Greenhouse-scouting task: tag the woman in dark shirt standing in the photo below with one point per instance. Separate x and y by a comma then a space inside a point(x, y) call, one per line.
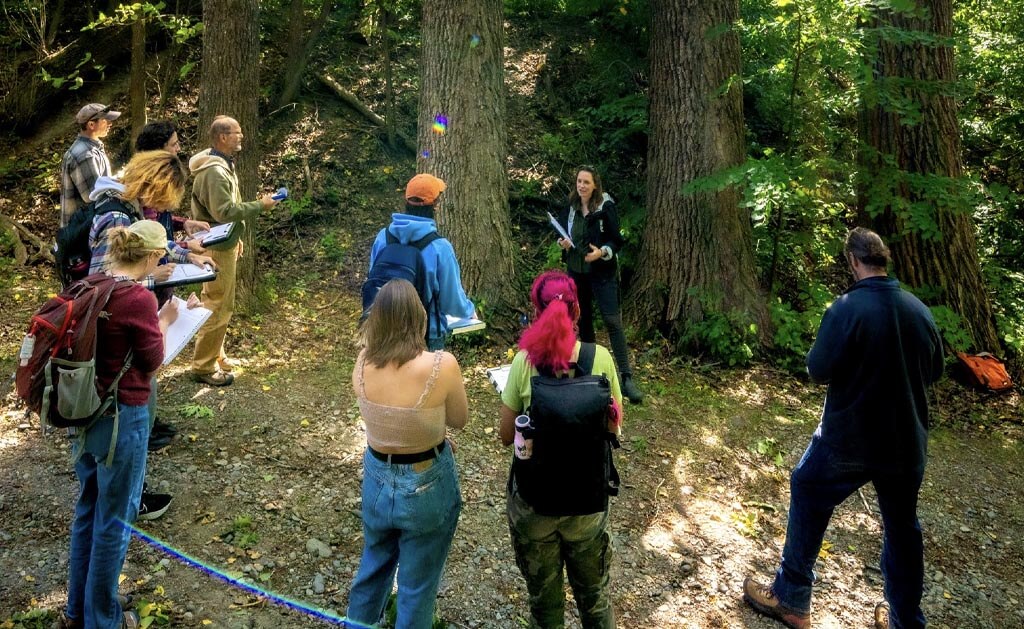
point(592, 222)
point(110, 457)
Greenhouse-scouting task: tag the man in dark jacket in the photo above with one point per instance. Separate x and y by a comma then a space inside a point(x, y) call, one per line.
point(878, 350)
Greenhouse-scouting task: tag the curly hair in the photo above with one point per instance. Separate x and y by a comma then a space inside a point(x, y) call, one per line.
point(551, 338)
point(156, 179)
point(155, 136)
point(395, 330)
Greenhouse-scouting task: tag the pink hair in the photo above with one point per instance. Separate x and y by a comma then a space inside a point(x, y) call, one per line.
point(551, 337)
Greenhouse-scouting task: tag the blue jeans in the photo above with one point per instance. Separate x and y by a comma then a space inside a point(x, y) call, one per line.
point(409, 520)
point(821, 481)
point(107, 496)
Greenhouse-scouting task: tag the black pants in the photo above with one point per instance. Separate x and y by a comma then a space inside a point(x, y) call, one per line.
point(606, 292)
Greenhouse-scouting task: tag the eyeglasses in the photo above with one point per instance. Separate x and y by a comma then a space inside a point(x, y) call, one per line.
point(99, 114)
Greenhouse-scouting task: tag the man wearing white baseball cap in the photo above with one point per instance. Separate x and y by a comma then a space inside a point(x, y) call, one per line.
point(85, 161)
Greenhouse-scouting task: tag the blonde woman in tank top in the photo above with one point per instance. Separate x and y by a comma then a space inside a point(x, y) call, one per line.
point(411, 500)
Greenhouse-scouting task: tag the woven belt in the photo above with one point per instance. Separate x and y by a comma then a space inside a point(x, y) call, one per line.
point(406, 459)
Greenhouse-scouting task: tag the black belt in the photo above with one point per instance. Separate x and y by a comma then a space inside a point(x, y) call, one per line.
point(406, 459)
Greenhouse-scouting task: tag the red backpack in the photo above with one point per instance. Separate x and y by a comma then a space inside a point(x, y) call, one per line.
point(56, 374)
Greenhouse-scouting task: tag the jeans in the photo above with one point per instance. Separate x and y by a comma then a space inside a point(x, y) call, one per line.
point(543, 545)
point(821, 481)
point(409, 520)
point(108, 496)
point(606, 292)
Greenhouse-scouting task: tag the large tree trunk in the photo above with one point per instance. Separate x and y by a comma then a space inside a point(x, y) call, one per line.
point(230, 85)
point(697, 254)
point(942, 258)
point(461, 78)
point(300, 46)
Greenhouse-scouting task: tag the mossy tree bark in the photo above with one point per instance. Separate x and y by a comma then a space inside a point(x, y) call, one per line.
point(697, 254)
point(230, 85)
point(462, 80)
point(912, 193)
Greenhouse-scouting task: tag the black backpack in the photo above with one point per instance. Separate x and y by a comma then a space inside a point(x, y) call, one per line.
point(72, 253)
point(398, 260)
point(571, 471)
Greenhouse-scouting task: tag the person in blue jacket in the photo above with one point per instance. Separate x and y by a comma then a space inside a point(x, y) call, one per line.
point(444, 277)
point(878, 349)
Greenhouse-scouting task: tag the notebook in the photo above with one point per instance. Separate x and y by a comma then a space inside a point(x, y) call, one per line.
point(499, 376)
point(188, 274)
point(216, 234)
point(184, 328)
point(461, 326)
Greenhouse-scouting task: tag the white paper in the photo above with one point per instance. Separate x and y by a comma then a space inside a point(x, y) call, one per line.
point(184, 328)
point(215, 234)
point(499, 376)
point(188, 274)
point(558, 227)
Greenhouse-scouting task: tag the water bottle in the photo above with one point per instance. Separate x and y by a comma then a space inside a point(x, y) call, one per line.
point(523, 446)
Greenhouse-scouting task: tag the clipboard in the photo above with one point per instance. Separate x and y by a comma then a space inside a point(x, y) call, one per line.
point(558, 228)
point(499, 377)
point(188, 274)
point(216, 234)
point(183, 329)
point(462, 326)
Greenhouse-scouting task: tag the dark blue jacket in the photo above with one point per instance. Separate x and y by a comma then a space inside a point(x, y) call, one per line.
point(878, 350)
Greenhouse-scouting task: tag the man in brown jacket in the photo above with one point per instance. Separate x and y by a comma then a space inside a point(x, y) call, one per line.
point(216, 199)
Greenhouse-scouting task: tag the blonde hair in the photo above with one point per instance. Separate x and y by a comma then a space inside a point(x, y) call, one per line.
point(396, 328)
point(156, 179)
point(127, 247)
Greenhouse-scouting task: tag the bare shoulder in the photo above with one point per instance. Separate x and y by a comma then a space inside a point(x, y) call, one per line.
point(450, 365)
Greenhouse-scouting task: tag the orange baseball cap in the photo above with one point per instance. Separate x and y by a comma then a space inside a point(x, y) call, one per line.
point(423, 189)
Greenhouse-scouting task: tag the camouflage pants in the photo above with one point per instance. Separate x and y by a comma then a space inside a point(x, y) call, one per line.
point(543, 545)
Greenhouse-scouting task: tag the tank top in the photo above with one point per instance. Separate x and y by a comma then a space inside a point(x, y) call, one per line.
point(401, 430)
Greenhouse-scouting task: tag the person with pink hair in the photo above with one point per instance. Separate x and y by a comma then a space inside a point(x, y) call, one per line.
point(547, 544)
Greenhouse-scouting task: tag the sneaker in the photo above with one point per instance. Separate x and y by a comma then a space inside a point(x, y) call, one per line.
point(216, 379)
point(882, 615)
point(631, 391)
point(130, 620)
point(763, 600)
point(152, 506)
point(163, 428)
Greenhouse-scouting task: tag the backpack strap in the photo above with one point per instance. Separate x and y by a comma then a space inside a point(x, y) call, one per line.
point(422, 243)
point(390, 239)
point(434, 307)
point(585, 360)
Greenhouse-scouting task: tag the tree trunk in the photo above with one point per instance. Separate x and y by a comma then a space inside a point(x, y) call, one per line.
point(932, 241)
point(137, 80)
point(697, 254)
point(300, 46)
point(461, 81)
point(389, 89)
point(230, 86)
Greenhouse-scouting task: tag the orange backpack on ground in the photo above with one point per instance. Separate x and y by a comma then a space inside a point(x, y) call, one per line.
point(984, 371)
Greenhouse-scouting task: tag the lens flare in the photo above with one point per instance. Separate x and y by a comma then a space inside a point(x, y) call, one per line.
point(440, 124)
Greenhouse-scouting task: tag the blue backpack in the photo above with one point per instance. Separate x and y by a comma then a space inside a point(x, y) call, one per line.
point(404, 261)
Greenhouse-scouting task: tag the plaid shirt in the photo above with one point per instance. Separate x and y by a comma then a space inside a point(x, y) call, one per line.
point(100, 245)
point(83, 164)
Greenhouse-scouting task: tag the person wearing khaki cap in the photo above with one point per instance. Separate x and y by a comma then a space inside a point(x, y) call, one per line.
point(444, 294)
point(85, 161)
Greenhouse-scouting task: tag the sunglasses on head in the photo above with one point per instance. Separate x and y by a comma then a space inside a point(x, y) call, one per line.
point(99, 114)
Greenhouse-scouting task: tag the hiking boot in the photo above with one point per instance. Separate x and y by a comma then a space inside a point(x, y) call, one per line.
point(130, 620)
point(882, 615)
point(163, 428)
point(159, 441)
point(216, 379)
point(152, 506)
point(63, 622)
point(764, 601)
point(630, 390)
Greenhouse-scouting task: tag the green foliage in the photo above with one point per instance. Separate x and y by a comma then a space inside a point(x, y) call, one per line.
point(951, 327)
point(195, 411)
point(152, 613)
point(769, 448)
point(335, 244)
point(243, 534)
point(31, 619)
point(726, 336)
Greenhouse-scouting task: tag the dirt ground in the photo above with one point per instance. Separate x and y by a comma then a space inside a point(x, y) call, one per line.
point(264, 470)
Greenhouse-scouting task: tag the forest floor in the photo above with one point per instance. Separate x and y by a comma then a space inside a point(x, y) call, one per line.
point(266, 473)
